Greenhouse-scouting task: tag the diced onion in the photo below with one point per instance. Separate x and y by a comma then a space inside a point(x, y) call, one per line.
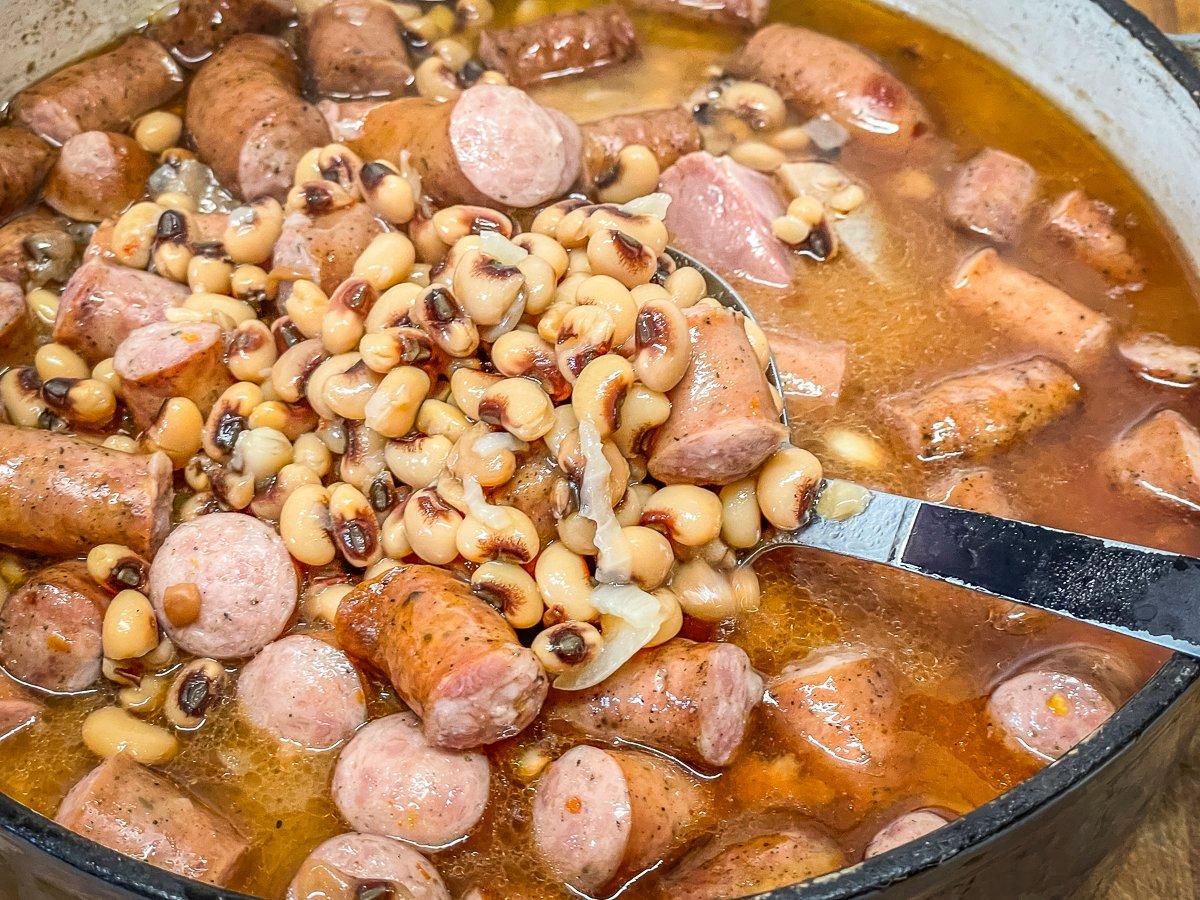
point(500, 248)
point(629, 620)
point(614, 562)
point(650, 205)
point(826, 133)
point(497, 441)
point(493, 517)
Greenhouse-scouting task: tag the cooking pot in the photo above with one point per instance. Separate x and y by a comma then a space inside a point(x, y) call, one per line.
point(1122, 79)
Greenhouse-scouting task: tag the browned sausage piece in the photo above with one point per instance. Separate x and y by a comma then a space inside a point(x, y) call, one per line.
point(760, 863)
point(97, 175)
point(452, 658)
point(104, 93)
point(1159, 458)
point(976, 490)
point(347, 119)
point(62, 496)
point(493, 144)
point(202, 26)
point(723, 421)
point(50, 629)
point(353, 866)
point(904, 829)
point(136, 811)
point(1157, 358)
point(690, 700)
point(14, 314)
point(531, 490)
point(24, 161)
point(103, 304)
point(164, 360)
point(667, 133)
point(559, 45)
point(1028, 309)
point(247, 117)
point(1046, 712)
point(18, 708)
point(740, 13)
point(820, 74)
point(324, 247)
point(982, 411)
point(1086, 227)
point(811, 371)
point(991, 195)
point(602, 816)
point(354, 50)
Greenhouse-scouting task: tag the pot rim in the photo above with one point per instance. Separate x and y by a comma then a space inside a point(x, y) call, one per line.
point(971, 831)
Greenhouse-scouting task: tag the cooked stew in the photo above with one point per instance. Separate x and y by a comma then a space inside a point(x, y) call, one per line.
point(374, 479)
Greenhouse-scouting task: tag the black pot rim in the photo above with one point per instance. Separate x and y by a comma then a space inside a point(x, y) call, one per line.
point(971, 831)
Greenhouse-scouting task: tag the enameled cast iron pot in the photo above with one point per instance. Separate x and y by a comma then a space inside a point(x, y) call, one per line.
point(1122, 79)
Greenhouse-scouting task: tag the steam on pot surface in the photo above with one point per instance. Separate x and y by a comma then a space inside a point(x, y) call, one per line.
point(374, 480)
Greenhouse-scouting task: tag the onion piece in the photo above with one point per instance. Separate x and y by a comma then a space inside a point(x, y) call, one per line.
point(614, 561)
point(493, 517)
point(629, 620)
point(500, 248)
point(496, 441)
point(826, 133)
point(510, 320)
point(650, 205)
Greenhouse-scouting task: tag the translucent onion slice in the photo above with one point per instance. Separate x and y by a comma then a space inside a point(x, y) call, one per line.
point(629, 619)
point(614, 562)
point(826, 133)
point(497, 441)
point(493, 517)
point(510, 320)
point(650, 205)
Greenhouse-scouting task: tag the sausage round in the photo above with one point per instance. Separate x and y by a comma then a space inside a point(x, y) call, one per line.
point(97, 174)
point(391, 781)
point(201, 26)
point(350, 866)
point(247, 118)
point(723, 421)
point(756, 864)
point(1046, 713)
point(104, 93)
point(354, 51)
point(50, 629)
point(991, 195)
point(667, 133)
point(18, 708)
point(687, 699)
point(164, 360)
point(303, 690)
point(902, 829)
point(452, 658)
point(492, 145)
point(602, 816)
point(324, 247)
point(24, 161)
point(246, 580)
point(62, 496)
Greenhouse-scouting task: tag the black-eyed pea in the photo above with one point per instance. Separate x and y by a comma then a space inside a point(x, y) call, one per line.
point(195, 692)
point(112, 730)
point(643, 411)
point(635, 173)
point(551, 321)
point(318, 379)
point(629, 510)
point(234, 489)
point(485, 287)
point(42, 305)
point(293, 419)
point(519, 406)
point(344, 322)
point(486, 455)
point(251, 283)
point(341, 165)
point(672, 616)
point(610, 295)
point(209, 273)
point(218, 308)
point(600, 391)
point(158, 130)
point(546, 222)
point(703, 592)
point(432, 527)
point(566, 423)
point(199, 504)
point(454, 223)
point(688, 514)
point(261, 452)
point(686, 286)
point(540, 284)
point(117, 568)
point(418, 461)
point(251, 352)
point(81, 401)
point(307, 305)
point(758, 341)
point(253, 230)
point(291, 372)
point(392, 409)
point(439, 314)
point(310, 451)
point(122, 442)
point(565, 583)
point(716, 553)
point(133, 234)
point(307, 168)
point(388, 193)
point(786, 485)
point(434, 79)
point(130, 629)
point(429, 246)
point(392, 308)
point(386, 261)
point(198, 472)
point(663, 345)
point(436, 417)
point(792, 139)
point(354, 526)
point(524, 354)
point(467, 387)
point(144, 698)
point(741, 518)
point(571, 229)
point(304, 525)
point(578, 262)
point(505, 534)
point(577, 534)
point(567, 646)
point(511, 590)
point(59, 361)
point(268, 500)
point(758, 155)
point(651, 556)
point(21, 394)
point(363, 461)
point(571, 460)
point(317, 197)
point(228, 418)
point(546, 249)
point(125, 672)
point(620, 256)
point(393, 537)
point(320, 603)
point(641, 221)
point(347, 393)
point(759, 106)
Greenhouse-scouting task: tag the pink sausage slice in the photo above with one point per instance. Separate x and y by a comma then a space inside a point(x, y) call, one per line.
point(303, 690)
point(602, 816)
point(353, 866)
point(812, 371)
point(324, 247)
point(247, 584)
point(991, 195)
point(136, 811)
point(18, 708)
point(904, 829)
point(1085, 226)
point(1158, 459)
point(391, 781)
point(753, 865)
point(1157, 358)
point(97, 175)
point(690, 700)
point(1046, 713)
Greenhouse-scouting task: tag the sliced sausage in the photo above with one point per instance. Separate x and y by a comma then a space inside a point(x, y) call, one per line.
point(812, 371)
point(1157, 358)
point(819, 74)
point(976, 490)
point(904, 829)
point(1045, 713)
point(103, 304)
point(136, 811)
point(246, 580)
point(50, 629)
point(201, 26)
point(354, 50)
point(97, 174)
point(1028, 309)
point(164, 360)
point(991, 196)
point(18, 708)
point(391, 781)
point(1158, 459)
point(1085, 226)
point(452, 658)
point(494, 144)
point(721, 213)
point(564, 44)
point(839, 705)
point(602, 816)
point(356, 866)
point(247, 118)
point(723, 420)
point(62, 496)
point(303, 690)
point(103, 93)
point(756, 864)
point(347, 119)
point(690, 700)
point(531, 491)
point(667, 133)
point(14, 314)
point(982, 411)
point(24, 161)
point(739, 13)
point(323, 248)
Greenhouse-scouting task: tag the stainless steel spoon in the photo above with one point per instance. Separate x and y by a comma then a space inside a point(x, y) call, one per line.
point(1145, 593)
